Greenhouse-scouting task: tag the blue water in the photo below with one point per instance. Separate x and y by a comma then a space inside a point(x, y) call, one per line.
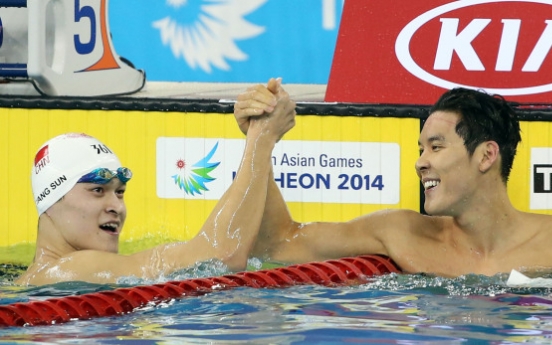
point(394, 309)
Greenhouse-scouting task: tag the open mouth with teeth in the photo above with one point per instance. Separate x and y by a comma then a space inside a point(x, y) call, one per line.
point(430, 184)
point(109, 227)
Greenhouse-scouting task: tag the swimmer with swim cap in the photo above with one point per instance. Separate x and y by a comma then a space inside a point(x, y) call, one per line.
point(79, 185)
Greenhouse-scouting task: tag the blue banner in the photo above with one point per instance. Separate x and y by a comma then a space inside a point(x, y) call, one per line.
point(227, 40)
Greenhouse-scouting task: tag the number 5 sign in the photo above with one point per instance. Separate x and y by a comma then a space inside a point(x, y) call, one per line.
point(70, 52)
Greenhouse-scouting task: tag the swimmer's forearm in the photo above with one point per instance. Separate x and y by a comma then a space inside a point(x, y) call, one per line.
point(233, 225)
point(276, 224)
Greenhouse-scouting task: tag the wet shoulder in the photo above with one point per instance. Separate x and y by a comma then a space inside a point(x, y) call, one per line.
point(541, 224)
point(411, 221)
point(73, 266)
point(36, 274)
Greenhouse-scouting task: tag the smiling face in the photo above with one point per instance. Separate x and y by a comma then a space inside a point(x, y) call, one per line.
point(447, 171)
point(91, 216)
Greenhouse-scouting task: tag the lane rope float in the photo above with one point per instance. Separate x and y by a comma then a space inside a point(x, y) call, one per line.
point(345, 271)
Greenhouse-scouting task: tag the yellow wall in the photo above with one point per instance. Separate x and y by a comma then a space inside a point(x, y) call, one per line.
point(151, 220)
point(132, 135)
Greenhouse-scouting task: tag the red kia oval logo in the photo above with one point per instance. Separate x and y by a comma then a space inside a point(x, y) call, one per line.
point(502, 46)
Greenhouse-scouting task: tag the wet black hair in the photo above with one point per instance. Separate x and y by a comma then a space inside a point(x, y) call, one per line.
point(484, 117)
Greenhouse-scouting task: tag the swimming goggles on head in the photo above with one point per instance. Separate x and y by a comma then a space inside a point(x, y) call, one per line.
point(104, 175)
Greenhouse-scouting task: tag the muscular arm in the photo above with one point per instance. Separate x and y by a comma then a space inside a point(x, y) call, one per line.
point(277, 224)
point(284, 240)
point(295, 243)
point(232, 227)
point(280, 237)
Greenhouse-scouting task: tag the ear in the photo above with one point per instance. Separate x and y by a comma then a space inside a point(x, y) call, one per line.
point(490, 153)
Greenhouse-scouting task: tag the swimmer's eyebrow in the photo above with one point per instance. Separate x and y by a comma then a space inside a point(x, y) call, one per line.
point(434, 138)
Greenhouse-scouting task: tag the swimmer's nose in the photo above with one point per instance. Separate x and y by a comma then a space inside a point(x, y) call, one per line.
point(116, 205)
point(422, 165)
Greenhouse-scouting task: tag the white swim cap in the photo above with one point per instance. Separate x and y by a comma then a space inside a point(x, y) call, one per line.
point(62, 161)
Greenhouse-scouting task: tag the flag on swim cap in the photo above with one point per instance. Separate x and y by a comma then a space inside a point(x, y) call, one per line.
point(62, 161)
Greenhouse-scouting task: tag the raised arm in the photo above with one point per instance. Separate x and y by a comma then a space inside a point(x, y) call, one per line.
point(283, 239)
point(277, 223)
point(232, 227)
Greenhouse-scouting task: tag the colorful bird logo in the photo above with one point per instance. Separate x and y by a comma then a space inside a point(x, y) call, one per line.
point(193, 181)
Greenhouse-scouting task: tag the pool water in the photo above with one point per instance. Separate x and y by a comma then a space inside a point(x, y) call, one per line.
point(392, 309)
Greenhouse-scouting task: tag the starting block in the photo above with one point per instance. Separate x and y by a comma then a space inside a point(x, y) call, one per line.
point(64, 48)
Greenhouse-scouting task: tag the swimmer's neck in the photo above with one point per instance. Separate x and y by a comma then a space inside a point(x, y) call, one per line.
point(51, 247)
point(489, 227)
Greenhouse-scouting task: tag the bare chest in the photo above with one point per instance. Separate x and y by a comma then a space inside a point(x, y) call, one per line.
point(448, 261)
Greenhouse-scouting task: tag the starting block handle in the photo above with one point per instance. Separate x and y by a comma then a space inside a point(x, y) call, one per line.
point(13, 3)
point(13, 70)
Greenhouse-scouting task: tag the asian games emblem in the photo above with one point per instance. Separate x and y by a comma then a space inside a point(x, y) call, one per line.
point(192, 181)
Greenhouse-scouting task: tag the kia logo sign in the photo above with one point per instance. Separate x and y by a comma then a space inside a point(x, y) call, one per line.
point(502, 46)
